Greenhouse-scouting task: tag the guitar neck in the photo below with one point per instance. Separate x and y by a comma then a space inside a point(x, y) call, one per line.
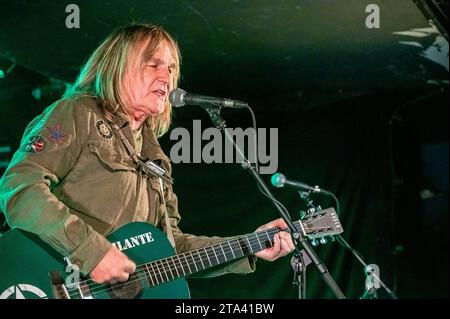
point(191, 262)
point(159, 271)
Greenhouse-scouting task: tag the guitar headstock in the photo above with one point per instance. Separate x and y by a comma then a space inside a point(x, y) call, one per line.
point(321, 224)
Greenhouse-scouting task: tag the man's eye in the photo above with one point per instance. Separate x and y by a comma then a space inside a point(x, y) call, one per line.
point(150, 65)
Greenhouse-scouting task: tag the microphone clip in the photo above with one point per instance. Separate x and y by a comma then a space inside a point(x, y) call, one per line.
point(151, 168)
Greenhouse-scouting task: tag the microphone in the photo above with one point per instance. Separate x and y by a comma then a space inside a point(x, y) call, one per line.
point(152, 168)
point(179, 97)
point(279, 180)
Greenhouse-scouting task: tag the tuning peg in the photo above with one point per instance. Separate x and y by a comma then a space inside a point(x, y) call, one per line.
point(323, 240)
point(314, 242)
point(302, 214)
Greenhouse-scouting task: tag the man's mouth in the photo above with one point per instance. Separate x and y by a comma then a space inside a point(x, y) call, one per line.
point(160, 93)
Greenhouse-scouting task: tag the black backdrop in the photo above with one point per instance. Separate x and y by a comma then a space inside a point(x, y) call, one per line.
point(330, 86)
point(343, 146)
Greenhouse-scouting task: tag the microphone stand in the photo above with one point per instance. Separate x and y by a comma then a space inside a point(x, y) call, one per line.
point(371, 290)
point(299, 263)
point(298, 237)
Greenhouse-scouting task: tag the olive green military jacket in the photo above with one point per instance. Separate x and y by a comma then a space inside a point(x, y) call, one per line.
point(72, 182)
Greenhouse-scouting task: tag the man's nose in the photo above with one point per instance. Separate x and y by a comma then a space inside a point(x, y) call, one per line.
point(164, 75)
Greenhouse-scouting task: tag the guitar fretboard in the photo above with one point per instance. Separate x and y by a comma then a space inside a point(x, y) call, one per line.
point(157, 272)
point(185, 264)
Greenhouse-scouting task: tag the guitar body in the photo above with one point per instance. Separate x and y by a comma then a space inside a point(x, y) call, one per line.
point(25, 263)
point(30, 269)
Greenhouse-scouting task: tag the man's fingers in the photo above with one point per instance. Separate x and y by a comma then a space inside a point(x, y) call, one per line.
point(124, 277)
point(130, 267)
point(276, 242)
point(98, 280)
point(121, 277)
point(286, 243)
point(114, 267)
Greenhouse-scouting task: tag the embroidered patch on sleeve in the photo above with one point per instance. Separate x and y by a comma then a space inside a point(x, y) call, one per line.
point(104, 130)
point(34, 145)
point(56, 135)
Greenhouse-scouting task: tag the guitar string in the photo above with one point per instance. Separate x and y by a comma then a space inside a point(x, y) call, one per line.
point(218, 244)
point(235, 243)
point(98, 290)
point(141, 273)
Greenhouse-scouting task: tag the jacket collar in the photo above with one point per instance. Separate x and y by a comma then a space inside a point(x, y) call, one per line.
point(151, 149)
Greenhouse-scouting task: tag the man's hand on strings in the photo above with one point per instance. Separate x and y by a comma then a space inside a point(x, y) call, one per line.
point(282, 242)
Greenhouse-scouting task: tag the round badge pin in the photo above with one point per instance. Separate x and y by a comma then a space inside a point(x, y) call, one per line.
point(104, 130)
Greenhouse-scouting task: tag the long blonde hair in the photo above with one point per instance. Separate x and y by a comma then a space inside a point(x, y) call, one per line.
point(102, 74)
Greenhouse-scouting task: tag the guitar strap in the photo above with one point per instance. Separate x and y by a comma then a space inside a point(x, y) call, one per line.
point(126, 143)
point(169, 232)
point(145, 168)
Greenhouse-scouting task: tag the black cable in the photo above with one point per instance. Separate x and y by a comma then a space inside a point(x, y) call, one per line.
point(303, 281)
point(354, 252)
point(255, 140)
point(283, 211)
point(268, 195)
point(303, 277)
point(255, 137)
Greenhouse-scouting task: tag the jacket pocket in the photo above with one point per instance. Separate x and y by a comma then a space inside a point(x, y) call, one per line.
point(156, 200)
point(110, 158)
point(98, 186)
point(155, 186)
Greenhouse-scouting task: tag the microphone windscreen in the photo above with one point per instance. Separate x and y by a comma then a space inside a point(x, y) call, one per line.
point(277, 180)
point(176, 97)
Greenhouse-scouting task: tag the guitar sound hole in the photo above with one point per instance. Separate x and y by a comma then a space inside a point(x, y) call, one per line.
point(126, 290)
